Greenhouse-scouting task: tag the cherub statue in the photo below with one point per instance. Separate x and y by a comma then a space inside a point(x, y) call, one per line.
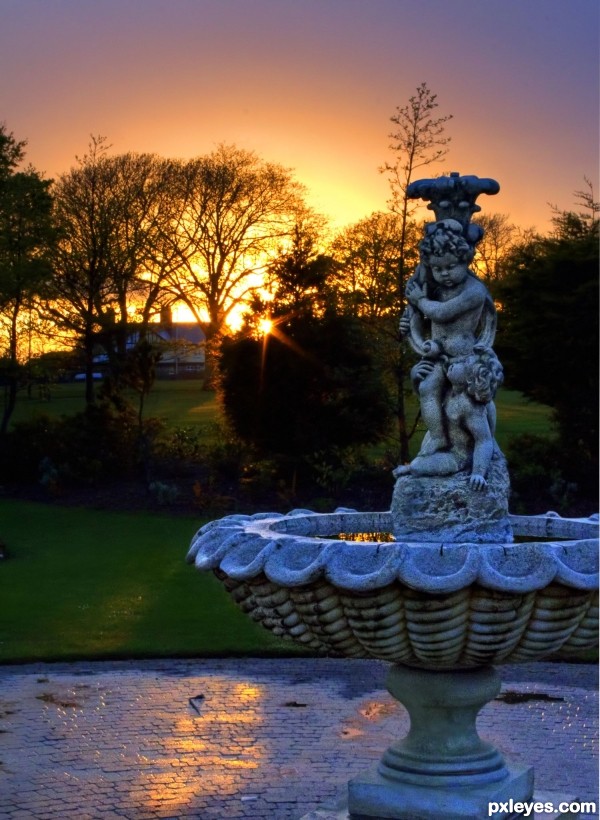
point(450, 312)
point(469, 414)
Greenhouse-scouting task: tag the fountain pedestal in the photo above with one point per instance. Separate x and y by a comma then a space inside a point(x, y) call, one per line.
point(442, 768)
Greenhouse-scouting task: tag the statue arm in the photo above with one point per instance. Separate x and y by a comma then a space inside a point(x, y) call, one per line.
point(491, 417)
point(469, 299)
point(412, 326)
point(483, 449)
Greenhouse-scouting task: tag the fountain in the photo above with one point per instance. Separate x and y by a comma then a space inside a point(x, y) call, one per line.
point(442, 590)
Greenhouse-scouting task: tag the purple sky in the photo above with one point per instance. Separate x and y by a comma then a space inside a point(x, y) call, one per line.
point(311, 84)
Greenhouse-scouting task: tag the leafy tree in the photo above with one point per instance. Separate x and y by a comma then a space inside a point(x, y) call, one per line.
point(233, 212)
point(548, 339)
point(112, 213)
point(418, 141)
point(11, 152)
point(368, 258)
point(311, 388)
point(299, 279)
point(26, 237)
point(311, 385)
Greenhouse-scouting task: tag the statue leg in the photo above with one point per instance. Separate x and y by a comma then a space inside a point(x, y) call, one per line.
point(431, 393)
point(435, 464)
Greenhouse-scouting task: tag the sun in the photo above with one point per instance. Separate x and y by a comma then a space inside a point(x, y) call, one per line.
point(265, 326)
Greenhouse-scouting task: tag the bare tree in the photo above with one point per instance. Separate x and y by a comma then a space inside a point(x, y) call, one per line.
point(233, 211)
point(418, 141)
point(575, 224)
point(111, 212)
point(587, 201)
point(499, 238)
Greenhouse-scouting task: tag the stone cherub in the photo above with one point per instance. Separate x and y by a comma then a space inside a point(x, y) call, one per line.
point(451, 322)
point(469, 418)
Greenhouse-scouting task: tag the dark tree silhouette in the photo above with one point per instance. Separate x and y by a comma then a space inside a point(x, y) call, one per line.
point(311, 388)
point(112, 213)
point(233, 211)
point(548, 338)
point(26, 239)
point(311, 385)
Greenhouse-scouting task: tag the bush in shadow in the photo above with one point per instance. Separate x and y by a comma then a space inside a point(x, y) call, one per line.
point(96, 445)
point(541, 478)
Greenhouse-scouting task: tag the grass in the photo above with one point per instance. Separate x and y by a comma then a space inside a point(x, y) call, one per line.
point(84, 584)
point(184, 404)
point(88, 584)
point(518, 415)
point(180, 403)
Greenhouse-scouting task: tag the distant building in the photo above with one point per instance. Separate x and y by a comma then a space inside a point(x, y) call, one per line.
point(181, 344)
point(183, 354)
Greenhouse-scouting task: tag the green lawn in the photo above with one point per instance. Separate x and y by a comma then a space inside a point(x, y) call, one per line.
point(517, 415)
point(87, 584)
point(92, 584)
point(180, 403)
point(184, 404)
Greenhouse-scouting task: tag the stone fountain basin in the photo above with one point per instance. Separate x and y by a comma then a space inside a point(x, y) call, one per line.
point(433, 605)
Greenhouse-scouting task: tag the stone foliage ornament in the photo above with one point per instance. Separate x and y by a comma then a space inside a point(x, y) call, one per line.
point(448, 591)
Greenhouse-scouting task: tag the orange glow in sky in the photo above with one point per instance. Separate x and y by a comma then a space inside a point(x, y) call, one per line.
point(312, 85)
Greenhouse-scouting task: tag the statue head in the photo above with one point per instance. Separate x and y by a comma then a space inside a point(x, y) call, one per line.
point(445, 239)
point(480, 374)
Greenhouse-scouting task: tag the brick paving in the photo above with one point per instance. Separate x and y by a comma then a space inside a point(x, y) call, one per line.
point(250, 738)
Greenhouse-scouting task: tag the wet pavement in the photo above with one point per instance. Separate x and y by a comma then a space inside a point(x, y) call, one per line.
point(251, 738)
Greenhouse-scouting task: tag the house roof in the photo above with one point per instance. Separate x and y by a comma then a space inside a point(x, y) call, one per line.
point(183, 331)
point(189, 333)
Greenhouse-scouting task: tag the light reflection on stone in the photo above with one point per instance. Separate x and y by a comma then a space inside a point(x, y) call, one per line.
point(187, 765)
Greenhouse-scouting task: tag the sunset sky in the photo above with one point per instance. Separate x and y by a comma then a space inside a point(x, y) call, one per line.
point(311, 84)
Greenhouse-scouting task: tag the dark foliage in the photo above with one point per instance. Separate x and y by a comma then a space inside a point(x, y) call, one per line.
point(26, 240)
point(538, 482)
point(86, 449)
point(548, 344)
point(311, 387)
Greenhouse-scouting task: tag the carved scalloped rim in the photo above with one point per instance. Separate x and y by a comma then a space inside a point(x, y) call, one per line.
point(294, 549)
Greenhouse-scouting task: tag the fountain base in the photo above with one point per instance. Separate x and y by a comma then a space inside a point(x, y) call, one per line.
point(373, 797)
point(442, 768)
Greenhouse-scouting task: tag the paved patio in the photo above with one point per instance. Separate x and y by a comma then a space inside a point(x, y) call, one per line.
point(250, 738)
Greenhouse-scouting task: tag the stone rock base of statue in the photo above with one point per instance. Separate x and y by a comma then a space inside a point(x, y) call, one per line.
point(447, 508)
point(442, 768)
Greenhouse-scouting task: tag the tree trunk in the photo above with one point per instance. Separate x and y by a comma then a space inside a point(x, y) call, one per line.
point(13, 373)
point(403, 435)
point(90, 395)
point(10, 401)
point(211, 360)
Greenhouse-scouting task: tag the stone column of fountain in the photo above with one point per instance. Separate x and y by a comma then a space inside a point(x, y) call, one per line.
point(453, 593)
